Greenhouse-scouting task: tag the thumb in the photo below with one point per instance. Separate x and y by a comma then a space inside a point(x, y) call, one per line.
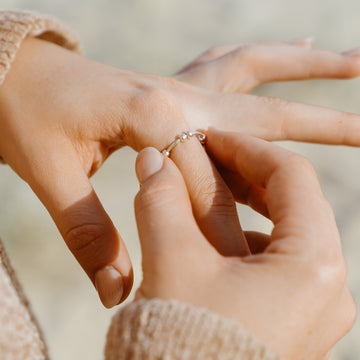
point(58, 179)
point(165, 221)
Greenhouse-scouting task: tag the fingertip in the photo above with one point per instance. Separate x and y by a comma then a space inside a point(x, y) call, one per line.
point(148, 162)
point(352, 63)
point(112, 285)
point(306, 42)
point(109, 285)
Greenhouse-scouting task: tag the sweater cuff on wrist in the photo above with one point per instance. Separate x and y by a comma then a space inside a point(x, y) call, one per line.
point(162, 330)
point(15, 26)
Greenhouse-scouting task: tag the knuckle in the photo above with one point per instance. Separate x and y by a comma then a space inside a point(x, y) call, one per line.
point(329, 275)
point(153, 99)
point(83, 235)
point(205, 190)
point(299, 165)
point(89, 241)
point(155, 195)
point(294, 166)
point(210, 194)
point(303, 164)
point(251, 55)
point(155, 113)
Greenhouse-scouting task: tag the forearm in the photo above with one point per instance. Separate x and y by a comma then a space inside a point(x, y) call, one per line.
point(16, 26)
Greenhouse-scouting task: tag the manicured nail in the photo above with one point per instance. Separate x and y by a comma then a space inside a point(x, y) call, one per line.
point(353, 52)
point(148, 162)
point(110, 286)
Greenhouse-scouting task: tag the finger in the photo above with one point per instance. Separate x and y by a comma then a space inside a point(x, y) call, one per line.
point(277, 119)
point(213, 204)
point(298, 63)
point(246, 67)
point(294, 199)
point(59, 181)
point(163, 211)
point(257, 241)
point(218, 51)
point(243, 191)
point(205, 71)
point(206, 56)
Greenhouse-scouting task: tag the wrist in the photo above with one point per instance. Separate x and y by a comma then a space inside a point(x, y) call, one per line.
point(15, 26)
point(12, 95)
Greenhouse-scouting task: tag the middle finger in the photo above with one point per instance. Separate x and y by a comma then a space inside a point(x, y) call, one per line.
point(275, 119)
point(213, 204)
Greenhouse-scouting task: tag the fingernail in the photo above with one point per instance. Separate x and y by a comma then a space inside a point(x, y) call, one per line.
point(352, 52)
point(304, 41)
point(148, 162)
point(110, 286)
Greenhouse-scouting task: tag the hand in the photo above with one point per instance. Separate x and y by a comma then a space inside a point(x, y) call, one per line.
point(291, 292)
point(62, 115)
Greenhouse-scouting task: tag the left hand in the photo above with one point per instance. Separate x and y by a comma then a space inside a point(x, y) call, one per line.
point(62, 115)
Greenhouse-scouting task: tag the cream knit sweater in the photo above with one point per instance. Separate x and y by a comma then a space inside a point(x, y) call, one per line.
point(144, 330)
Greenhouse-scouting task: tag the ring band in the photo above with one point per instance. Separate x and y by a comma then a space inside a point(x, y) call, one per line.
point(182, 138)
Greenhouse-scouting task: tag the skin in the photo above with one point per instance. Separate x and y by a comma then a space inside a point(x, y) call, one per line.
point(62, 115)
point(291, 291)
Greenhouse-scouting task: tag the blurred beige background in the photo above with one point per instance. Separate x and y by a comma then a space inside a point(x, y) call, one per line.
point(159, 36)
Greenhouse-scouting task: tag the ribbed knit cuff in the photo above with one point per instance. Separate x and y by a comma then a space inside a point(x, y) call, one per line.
point(170, 330)
point(20, 335)
point(15, 26)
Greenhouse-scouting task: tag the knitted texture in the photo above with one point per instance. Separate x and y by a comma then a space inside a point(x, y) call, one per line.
point(15, 26)
point(169, 330)
point(20, 337)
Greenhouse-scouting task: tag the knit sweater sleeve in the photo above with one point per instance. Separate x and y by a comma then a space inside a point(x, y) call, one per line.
point(169, 330)
point(15, 26)
point(20, 335)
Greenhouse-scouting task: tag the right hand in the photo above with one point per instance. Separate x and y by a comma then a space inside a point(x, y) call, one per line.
point(291, 291)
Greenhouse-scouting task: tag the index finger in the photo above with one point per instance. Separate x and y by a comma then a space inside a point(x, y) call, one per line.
point(242, 68)
point(294, 198)
point(212, 202)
